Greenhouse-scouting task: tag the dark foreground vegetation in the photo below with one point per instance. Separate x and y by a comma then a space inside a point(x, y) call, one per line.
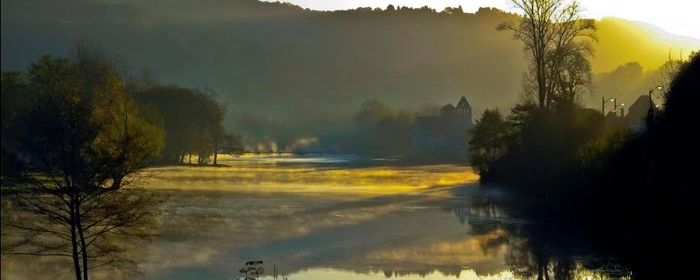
point(71, 138)
point(610, 191)
point(624, 186)
point(75, 133)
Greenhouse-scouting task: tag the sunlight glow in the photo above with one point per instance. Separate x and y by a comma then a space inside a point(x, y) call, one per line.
point(268, 174)
point(675, 16)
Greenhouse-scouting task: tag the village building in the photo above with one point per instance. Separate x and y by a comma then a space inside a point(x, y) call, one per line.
point(638, 112)
point(443, 137)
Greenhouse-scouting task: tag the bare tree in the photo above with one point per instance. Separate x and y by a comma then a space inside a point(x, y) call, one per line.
point(663, 76)
point(558, 42)
point(571, 73)
point(81, 143)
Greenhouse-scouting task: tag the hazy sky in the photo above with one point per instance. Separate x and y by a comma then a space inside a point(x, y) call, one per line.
point(676, 16)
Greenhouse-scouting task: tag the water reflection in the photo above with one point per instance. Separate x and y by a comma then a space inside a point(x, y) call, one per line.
point(397, 235)
point(315, 175)
point(319, 220)
point(533, 250)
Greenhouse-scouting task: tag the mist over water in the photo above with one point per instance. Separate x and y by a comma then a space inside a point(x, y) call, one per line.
point(287, 173)
point(320, 217)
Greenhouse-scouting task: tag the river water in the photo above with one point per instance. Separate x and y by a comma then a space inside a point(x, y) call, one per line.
point(335, 217)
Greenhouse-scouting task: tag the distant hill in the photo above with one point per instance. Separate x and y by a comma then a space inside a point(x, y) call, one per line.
point(621, 41)
point(286, 71)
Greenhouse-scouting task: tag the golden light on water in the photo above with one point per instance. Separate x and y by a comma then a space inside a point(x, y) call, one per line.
point(250, 175)
point(321, 221)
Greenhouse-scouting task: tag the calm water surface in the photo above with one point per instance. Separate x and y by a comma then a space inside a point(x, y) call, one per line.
point(337, 217)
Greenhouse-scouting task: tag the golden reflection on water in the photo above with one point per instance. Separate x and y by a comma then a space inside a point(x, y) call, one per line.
point(314, 220)
point(266, 176)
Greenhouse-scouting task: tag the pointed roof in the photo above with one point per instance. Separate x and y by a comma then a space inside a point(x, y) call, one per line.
point(643, 102)
point(640, 108)
point(463, 103)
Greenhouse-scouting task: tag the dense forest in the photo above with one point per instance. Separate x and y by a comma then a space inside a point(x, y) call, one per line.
point(269, 61)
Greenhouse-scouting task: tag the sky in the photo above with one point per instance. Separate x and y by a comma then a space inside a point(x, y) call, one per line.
point(681, 17)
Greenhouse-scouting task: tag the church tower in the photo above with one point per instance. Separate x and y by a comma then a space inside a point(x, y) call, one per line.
point(464, 110)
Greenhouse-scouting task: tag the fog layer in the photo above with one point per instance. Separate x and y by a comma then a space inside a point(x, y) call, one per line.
point(287, 73)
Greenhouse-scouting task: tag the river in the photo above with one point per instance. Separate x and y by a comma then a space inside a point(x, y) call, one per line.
point(334, 217)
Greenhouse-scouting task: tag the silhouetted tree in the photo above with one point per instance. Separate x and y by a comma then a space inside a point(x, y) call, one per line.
point(231, 144)
point(488, 140)
point(14, 103)
point(252, 270)
point(80, 143)
point(583, 181)
point(382, 130)
point(662, 78)
point(193, 121)
point(553, 35)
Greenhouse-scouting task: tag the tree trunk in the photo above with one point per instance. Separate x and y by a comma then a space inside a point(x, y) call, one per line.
point(83, 245)
point(216, 148)
point(541, 83)
point(74, 241)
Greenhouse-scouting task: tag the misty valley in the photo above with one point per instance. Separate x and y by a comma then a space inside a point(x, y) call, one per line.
point(329, 139)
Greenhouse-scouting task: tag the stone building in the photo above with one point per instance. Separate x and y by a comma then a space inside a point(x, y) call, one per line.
point(443, 137)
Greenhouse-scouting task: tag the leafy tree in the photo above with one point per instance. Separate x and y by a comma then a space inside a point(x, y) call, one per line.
point(549, 131)
point(193, 121)
point(14, 90)
point(209, 121)
point(382, 130)
point(231, 144)
point(252, 270)
point(81, 143)
point(371, 112)
point(488, 140)
point(656, 166)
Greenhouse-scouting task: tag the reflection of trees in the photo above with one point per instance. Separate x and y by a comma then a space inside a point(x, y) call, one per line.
point(527, 259)
point(534, 250)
